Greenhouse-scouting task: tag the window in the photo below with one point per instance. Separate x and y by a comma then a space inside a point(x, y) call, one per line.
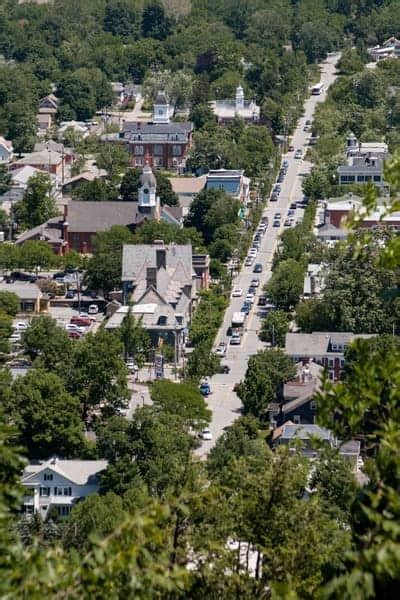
point(67, 491)
point(334, 347)
point(296, 419)
point(330, 362)
point(331, 375)
point(28, 509)
point(377, 178)
point(342, 363)
point(158, 162)
point(48, 476)
point(176, 150)
point(58, 491)
point(64, 511)
point(360, 178)
point(44, 491)
point(162, 320)
point(158, 150)
point(368, 178)
point(138, 150)
point(139, 162)
point(313, 405)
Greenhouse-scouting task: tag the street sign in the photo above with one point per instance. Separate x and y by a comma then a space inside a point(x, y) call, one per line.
point(159, 366)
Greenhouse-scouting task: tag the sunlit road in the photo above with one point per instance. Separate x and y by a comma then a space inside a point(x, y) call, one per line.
point(223, 401)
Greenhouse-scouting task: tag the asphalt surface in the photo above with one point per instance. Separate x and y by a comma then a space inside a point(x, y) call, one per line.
point(223, 401)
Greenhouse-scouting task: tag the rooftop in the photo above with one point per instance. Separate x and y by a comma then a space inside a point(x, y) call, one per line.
point(77, 471)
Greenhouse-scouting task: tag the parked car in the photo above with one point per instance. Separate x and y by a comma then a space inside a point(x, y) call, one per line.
point(298, 153)
point(81, 321)
point(237, 293)
point(255, 282)
point(262, 301)
point(246, 308)
point(221, 349)
point(291, 148)
point(257, 268)
point(276, 223)
point(75, 335)
point(93, 309)
point(73, 327)
point(274, 197)
point(265, 220)
point(224, 369)
point(205, 389)
point(249, 261)
point(70, 294)
point(281, 178)
point(15, 337)
point(21, 326)
point(277, 215)
point(287, 223)
point(293, 205)
point(206, 434)
point(250, 297)
point(291, 212)
point(308, 122)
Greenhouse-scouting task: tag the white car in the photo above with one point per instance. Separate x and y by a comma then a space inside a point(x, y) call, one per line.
point(221, 349)
point(253, 252)
point(73, 327)
point(249, 261)
point(237, 293)
point(93, 309)
point(250, 298)
point(15, 337)
point(206, 434)
point(20, 326)
point(255, 282)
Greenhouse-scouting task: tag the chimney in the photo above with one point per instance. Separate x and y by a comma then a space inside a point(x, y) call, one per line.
point(161, 258)
point(65, 211)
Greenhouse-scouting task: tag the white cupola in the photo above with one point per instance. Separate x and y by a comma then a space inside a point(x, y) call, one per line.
point(239, 101)
point(161, 109)
point(147, 190)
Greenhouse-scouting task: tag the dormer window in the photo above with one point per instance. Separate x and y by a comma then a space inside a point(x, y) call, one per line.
point(48, 476)
point(162, 320)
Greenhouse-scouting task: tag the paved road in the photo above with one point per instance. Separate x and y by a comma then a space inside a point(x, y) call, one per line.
point(223, 402)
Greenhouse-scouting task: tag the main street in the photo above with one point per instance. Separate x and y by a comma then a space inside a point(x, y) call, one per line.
point(223, 401)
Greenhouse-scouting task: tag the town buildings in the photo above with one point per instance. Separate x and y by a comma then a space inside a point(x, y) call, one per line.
point(59, 484)
point(6, 151)
point(226, 110)
point(323, 348)
point(160, 143)
point(365, 162)
point(338, 210)
point(232, 182)
point(389, 49)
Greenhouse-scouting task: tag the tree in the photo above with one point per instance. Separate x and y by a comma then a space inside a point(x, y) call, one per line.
point(165, 191)
point(49, 345)
point(266, 373)
point(286, 284)
point(274, 328)
point(5, 180)
point(114, 159)
point(129, 185)
point(210, 210)
point(99, 375)
point(121, 19)
point(9, 303)
point(155, 23)
point(153, 230)
point(48, 417)
point(135, 339)
point(181, 399)
point(6, 330)
point(9, 256)
point(37, 204)
point(36, 255)
point(97, 190)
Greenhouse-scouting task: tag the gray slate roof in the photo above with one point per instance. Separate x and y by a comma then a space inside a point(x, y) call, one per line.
point(303, 432)
point(317, 343)
point(153, 128)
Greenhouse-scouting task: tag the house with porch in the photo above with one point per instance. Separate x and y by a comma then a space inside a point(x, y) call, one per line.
point(226, 110)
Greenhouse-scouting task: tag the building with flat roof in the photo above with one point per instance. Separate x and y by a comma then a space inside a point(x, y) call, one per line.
point(232, 181)
point(226, 110)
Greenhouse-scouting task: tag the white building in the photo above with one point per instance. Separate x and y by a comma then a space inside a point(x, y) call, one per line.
point(6, 150)
point(60, 484)
point(226, 110)
point(389, 49)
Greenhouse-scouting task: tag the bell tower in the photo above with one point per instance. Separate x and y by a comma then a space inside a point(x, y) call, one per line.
point(161, 109)
point(147, 190)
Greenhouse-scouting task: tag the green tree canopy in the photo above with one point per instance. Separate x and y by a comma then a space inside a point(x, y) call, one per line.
point(37, 204)
point(9, 303)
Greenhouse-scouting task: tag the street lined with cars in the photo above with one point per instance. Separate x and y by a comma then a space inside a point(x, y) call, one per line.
point(244, 342)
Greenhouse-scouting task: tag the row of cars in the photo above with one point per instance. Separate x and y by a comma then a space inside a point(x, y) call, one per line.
point(256, 243)
point(79, 325)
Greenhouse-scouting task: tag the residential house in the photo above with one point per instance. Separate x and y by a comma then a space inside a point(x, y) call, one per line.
point(45, 160)
point(330, 234)
point(6, 151)
point(324, 348)
point(364, 149)
point(365, 162)
point(389, 49)
point(68, 153)
point(314, 280)
point(187, 189)
point(20, 178)
point(79, 127)
point(31, 299)
point(81, 221)
point(337, 210)
point(160, 281)
point(59, 484)
point(160, 143)
point(308, 439)
point(49, 103)
point(226, 110)
point(232, 182)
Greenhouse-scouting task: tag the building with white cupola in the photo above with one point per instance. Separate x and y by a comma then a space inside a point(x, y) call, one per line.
point(226, 110)
point(160, 143)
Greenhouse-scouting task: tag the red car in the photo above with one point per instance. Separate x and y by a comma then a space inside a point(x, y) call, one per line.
point(291, 148)
point(81, 321)
point(75, 335)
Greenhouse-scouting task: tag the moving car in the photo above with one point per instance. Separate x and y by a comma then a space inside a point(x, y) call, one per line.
point(206, 434)
point(246, 308)
point(235, 339)
point(237, 293)
point(276, 223)
point(298, 153)
point(255, 282)
point(257, 268)
point(287, 223)
point(205, 389)
point(250, 297)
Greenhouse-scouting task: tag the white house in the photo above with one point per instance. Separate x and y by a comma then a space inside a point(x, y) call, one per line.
point(226, 110)
point(60, 484)
point(6, 150)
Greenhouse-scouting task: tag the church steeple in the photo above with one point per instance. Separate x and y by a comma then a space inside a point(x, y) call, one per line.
point(161, 109)
point(147, 190)
point(239, 100)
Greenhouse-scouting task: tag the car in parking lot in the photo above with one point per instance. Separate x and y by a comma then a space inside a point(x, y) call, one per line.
point(206, 434)
point(81, 321)
point(237, 293)
point(205, 389)
point(93, 309)
point(257, 268)
point(255, 282)
point(298, 153)
point(70, 294)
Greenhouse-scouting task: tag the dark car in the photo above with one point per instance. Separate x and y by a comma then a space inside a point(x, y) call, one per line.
point(281, 178)
point(70, 294)
point(293, 205)
point(262, 301)
point(257, 268)
point(276, 223)
point(224, 369)
point(205, 389)
point(274, 197)
point(265, 220)
point(245, 308)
